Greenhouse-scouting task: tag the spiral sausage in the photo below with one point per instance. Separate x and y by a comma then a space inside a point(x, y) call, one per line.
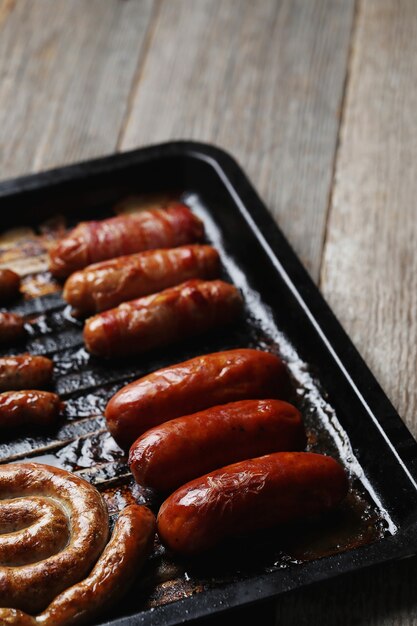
point(96, 241)
point(105, 285)
point(33, 408)
point(55, 530)
point(11, 327)
point(25, 372)
point(9, 285)
point(163, 318)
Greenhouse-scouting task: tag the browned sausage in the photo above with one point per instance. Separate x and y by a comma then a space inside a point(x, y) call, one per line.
point(32, 408)
point(250, 495)
point(105, 285)
point(194, 385)
point(9, 285)
point(163, 318)
point(11, 327)
point(96, 241)
point(25, 372)
point(62, 529)
point(177, 451)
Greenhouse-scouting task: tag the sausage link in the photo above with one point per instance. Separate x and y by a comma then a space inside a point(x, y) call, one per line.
point(105, 285)
point(194, 385)
point(35, 409)
point(9, 285)
point(25, 372)
point(250, 495)
point(11, 327)
point(96, 241)
point(173, 453)
point(163, 318)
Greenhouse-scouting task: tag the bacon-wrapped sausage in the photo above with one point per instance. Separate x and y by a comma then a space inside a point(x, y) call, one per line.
point(9, 285)
point(53, 534)
point(193, 385)
point(11, 327)
point(250, 495)
point(32, 408)
point(105, 285)
point(96, 241)
point(163, 318)
point(177, 451)
point(25, 372)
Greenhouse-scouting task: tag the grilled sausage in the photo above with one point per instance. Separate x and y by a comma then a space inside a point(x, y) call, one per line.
point(25, 372)
point(53, 543)
point(250, 495)
point(35, 409)
point(11, 327)
point(96, 241)
point(173, 453)
point(9, 285)
point(194, 385)
point(105, 285)
point(163, 318)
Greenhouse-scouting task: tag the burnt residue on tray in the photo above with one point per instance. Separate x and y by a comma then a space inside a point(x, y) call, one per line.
point(81, 443)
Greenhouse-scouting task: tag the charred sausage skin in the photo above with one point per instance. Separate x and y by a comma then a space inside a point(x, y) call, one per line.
point(94, 241)
point(189, 309)
point(25, 371)
point(181, 449)
point(251, 495)
point(192, 386)
point(9, 285)
point(105, 285)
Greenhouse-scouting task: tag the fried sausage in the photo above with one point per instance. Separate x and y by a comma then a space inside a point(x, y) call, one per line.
point(9, 285)
point(96, 241)
point(32, 408)
point(250, 495)
point(11, 327)
point(54, 552)
point(194, 385)
point(25, 372)
point(105, 285)
point(163, 318)
point(173, 453)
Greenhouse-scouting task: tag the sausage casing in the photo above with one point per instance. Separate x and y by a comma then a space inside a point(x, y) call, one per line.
point(163, 318)
point(250, 495)
point(11, 327)
point(9, 285)
point(25, 372)
point(177, 451)
point(94, 241)
point(194, 385)
point(105, 285)
point(32, 408)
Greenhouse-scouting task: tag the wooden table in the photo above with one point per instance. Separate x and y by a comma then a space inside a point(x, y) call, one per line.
point(317, 100)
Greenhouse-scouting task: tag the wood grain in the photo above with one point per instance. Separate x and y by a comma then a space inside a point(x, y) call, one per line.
point(66, 70)
point(369, 273)
point(264, 80)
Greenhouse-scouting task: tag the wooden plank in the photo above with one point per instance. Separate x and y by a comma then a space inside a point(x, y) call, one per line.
point(264, 80)
point(66, 70)
point(369, 273)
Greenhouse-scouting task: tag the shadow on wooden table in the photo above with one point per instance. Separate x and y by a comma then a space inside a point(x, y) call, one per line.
point(382, 596)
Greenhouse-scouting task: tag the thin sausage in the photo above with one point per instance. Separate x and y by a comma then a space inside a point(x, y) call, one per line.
point(177, 451)
point(250, 495)
point(11, 327)
point(9, 285)
point(194, 385)
point(31, 408)
point(105, 285)
point(25, 372)
point(96, 241)
point(172, 315)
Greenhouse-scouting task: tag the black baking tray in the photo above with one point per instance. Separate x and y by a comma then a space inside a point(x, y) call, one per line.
point(288, 314)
